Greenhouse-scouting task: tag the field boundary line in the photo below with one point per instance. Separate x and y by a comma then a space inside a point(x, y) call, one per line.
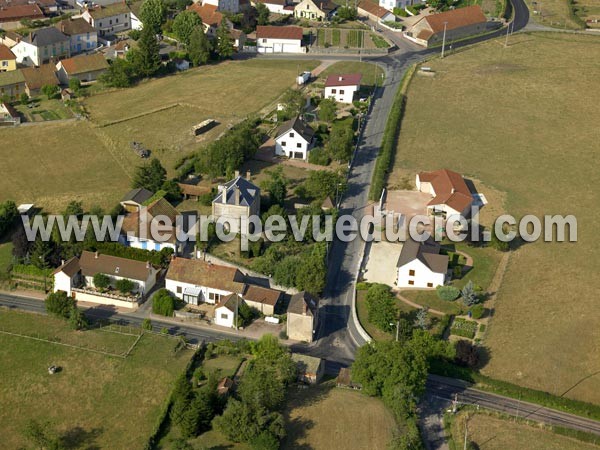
point(10, 333)
point(137, 116)
point(126, 354)
point(111, 147)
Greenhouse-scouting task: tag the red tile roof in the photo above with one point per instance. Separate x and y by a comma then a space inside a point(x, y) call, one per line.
point(450, 189)
point(273, 32)
point(259, 294)
point(373, 8)
point(16, 12)
point(5, 53)
point(352, 79)
point(208, 13)
point(456, 18)
point(84, 64)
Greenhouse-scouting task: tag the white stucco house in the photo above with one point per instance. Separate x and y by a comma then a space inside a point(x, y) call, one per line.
point(226, 310)
point(76, 278)
point(110, 19)
point(378, 13)
point(136, 228)
point(196, 281)
point(294, 139)
point(277, 6)
point(421, 266)
point(272, 39)
point(42, 46)
point(342, 88)
point(450, 194)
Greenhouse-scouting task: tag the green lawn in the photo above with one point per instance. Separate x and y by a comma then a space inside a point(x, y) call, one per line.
point(93, 162)
point(225, 364)
point(44, 110)
point(95, 401)
point(5, 256)
point(528, 130)
point(371, 73)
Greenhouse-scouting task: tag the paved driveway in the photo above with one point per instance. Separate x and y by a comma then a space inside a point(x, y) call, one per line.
point(381, 260)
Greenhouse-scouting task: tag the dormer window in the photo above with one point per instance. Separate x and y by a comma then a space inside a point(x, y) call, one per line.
point(117, 270)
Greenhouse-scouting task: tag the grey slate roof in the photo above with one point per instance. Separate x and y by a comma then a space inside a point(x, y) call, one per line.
point(45, 36)
point(248, 192)
point(299, 126)
point(427, 252)
point(139, 195)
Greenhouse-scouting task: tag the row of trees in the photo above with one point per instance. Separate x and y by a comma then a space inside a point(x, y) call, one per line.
point(59, 304)
point(8, 214)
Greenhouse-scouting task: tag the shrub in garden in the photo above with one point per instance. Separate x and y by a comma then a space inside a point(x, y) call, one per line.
point(448, 293)
point(125, 286)
point(477, 311)
point(101, 281)
point(163, 303)
point(467, 354)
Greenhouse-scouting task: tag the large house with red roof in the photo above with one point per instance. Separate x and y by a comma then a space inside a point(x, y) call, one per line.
point(457, 23)
point(272, 39)
point(342, 88)
point(373, 11)
point(451, 195)
point(85, 68)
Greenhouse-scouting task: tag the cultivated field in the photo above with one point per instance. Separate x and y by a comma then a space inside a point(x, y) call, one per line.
point(51, 164)
point(95, 401)
point(523, 120)
point(494, 433)
point(325, 417)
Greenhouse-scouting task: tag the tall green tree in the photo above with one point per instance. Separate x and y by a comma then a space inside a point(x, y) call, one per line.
point(199, 47)
point(341, 142)
point(262, 14)
point(276, 186)
point(60, 304)
point(224, 40)
point(150, 176)
point(146, 58)
point(294, 102)
point(184, 25)
point(120, 74)
point(381, 307)
point(327, 110)
point(153, 14)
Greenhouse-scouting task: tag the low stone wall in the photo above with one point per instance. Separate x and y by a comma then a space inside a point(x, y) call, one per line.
point(91, 297)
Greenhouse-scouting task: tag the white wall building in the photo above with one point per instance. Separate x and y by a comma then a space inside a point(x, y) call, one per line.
point(41, 46)
point(294, 139)
point(421, 266)
point(276, 6)
point(342, 88)
point(82, 36)
point(272, 39)
point(109, 19)
point(450, 194)
point(226, 310)
point(196, 281)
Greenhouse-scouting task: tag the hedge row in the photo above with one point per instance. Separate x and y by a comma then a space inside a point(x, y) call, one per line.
point(28, 269)
point(390, 136)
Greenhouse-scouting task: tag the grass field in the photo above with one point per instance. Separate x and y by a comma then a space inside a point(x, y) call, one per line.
point(227, 365)
point(491, 432)
point(556, 13)
point(5, 255)
point(51, 164)
point(485, 262)
point(522, 119)
point(325, 417)
point(95, 401)
point(371, 73)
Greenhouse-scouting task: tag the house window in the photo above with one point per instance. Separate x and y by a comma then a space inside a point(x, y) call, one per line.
point(411, 273)
point(411, 282)
point(179, 289)
point(110, 22)
point(291, 134)
point(334, 91)
point(429, 284)
point(4, 63)
point(341, 92)
point(117, 20)
point(264, 41)
point(299, 145)
point(283, 143)
point(224, 316)
point(214, 297)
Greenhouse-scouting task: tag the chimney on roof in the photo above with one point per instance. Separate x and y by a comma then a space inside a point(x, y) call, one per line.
point(248, 175)
point(148, 265)
point(305, 308)
point(96, 254)
point(453, 191)
point(340, 78)
point(237, 173)
point(62, 262)
point(236, 194)
point(223, 193)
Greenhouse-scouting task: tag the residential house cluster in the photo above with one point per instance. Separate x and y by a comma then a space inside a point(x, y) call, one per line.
point(17, 10)
point(313, 10)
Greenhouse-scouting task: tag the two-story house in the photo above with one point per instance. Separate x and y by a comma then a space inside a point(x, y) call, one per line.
point(110, 19)
point(272, 39)
point(42, 46)
point(421, 265)
point(8, 60)
point(342, 88)
point(294, 139)
point(314, 9)
point(82, 36)
point(236, 199)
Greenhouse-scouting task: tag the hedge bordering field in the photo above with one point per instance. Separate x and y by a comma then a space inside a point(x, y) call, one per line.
point(390, 137)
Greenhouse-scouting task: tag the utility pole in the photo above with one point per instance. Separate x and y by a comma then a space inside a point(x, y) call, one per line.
point(444, 39)
point(397, 329)
point(466, 431)
point(237, 306)
point(507, 32)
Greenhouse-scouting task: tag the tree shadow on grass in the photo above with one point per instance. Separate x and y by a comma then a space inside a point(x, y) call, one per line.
point(80, 438)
